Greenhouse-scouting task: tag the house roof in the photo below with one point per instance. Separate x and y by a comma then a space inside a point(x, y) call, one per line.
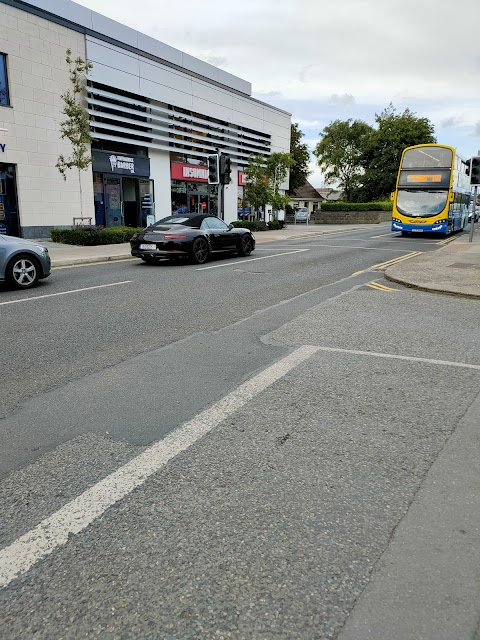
point(330, 194)
point(306, 191)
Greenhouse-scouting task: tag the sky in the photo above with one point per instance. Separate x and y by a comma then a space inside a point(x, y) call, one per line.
point(324, 60)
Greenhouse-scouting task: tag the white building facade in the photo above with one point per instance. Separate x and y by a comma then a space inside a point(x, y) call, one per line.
point(155, 113)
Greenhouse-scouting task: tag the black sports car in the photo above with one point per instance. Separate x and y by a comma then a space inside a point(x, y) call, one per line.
point(190, 235)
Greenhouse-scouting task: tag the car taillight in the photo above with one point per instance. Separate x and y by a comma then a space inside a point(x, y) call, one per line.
point(174, 236)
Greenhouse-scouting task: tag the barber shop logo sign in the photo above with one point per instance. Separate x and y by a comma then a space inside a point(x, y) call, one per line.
point(122, 163)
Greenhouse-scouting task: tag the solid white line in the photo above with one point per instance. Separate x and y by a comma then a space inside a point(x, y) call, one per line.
point(63, 293)
point(447, 363)
point(229, 264)
point(75, 516)
point(385, 234)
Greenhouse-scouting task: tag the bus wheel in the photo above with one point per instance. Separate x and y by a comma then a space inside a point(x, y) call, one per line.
point(405, 234)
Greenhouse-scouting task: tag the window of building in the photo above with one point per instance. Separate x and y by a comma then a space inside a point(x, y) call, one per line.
point(4, 99)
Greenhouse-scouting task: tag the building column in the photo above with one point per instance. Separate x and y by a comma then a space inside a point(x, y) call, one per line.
point(160, 173)
point(230, 197)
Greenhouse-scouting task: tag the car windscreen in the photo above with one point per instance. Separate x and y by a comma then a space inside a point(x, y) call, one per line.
point(421, 204)
point(187, 221)
point(173, 220)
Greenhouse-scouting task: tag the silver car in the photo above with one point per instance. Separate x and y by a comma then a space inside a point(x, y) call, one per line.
point(302, 215)
point(22, 263)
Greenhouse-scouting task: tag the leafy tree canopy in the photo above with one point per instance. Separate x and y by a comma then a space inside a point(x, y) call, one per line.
point(264, 177)
point(383, 149)
point(340, 151)
point(299, 171)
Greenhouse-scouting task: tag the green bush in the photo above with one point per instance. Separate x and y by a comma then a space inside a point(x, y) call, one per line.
point(253, 225)
point(275, 224)
point(357, 206)
point(91, 236)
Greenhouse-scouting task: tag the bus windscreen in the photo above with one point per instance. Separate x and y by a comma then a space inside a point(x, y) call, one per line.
point(431, 157)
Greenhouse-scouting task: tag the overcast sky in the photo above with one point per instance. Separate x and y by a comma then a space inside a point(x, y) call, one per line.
point(327, 59)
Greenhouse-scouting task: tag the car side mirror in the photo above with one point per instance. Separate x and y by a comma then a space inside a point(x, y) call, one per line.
point(230, 226)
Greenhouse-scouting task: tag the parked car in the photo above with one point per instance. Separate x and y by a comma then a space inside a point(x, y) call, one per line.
point(476, 216)
point(302, 215)
point(190, 235)
point(22, 263)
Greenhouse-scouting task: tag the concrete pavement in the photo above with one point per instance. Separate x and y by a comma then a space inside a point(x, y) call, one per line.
point(453, 269)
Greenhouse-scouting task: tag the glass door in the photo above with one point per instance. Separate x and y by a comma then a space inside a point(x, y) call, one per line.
point(9, 219)
point(113, 201)
point(147, 203)
point(193, 203)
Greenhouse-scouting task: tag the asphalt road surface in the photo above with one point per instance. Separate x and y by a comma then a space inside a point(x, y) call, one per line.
point(257, 447)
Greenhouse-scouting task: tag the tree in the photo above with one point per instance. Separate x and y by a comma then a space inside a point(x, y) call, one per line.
point(384, 146)
point(277, 167)
point(264, 177)
point(257, 190)
point(340, 152)
point(299, 171)
point(75, 127)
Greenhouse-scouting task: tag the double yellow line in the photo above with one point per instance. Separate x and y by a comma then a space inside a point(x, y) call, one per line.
point(379, 287)
point(446, 240)
point(388, 263)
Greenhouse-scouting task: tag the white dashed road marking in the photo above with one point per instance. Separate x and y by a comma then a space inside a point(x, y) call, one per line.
point(63, 293)
point(229, 264)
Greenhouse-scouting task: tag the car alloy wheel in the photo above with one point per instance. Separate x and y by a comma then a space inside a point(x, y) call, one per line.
point(200, 251)
point(23, 272)
point(246, 245)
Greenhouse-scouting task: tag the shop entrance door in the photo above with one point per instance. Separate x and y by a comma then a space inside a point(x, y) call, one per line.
point(113, 202)
point(198, 203)
point(147, 206)
point(130, 202)
point(9, 219)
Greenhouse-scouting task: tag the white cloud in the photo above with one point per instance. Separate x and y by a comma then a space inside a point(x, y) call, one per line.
point(351, 58)
point(452, 121)
point(345, 101)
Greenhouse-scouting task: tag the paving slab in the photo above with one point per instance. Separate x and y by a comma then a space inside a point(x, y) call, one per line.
point(453, 269)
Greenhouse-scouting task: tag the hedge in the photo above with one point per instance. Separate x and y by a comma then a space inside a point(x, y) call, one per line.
point(90, 236)
point(275, 224)
point(357, 206)
point(259, 225)
point(253, 225)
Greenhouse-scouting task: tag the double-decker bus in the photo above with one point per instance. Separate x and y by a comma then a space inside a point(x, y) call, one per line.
point(432, 191)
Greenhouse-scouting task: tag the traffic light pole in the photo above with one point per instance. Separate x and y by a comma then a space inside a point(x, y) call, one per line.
point(474, 209)
point(474, 182)
point(220, 201)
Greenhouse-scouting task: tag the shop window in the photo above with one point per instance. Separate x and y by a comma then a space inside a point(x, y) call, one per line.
point(4, 98)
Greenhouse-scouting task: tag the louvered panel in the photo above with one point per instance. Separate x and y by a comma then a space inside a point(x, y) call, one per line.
point(154, 145)
point(159, 126)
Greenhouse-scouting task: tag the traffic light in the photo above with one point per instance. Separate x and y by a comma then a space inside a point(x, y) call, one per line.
point(225, 168)
point(213, 173)
point(475, 171)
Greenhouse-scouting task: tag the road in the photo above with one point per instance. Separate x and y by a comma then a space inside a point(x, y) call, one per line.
point(271, 424)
